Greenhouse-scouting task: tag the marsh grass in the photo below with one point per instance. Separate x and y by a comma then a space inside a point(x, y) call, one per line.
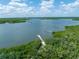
point(12, 20)
point(64, 45)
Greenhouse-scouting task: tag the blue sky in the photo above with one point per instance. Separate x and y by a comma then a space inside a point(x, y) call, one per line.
point(39, 8)
point(36, 2)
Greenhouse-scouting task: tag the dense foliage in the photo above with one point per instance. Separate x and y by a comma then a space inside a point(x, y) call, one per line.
point(63, 45)
point(20, 52)
point(12, 20)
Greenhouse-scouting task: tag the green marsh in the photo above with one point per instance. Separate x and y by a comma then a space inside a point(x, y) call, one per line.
point(63, 45)
point(12, 20)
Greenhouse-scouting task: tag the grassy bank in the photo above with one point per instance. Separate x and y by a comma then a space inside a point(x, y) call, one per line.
point(12, 20)
point(76, 18)
point(20, 52)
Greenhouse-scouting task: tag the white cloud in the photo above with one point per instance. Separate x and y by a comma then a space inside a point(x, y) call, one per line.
point(70, 9)
point(46, 8)
point(15, 8)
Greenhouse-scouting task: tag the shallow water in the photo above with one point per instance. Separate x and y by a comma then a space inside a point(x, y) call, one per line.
point(20, 33)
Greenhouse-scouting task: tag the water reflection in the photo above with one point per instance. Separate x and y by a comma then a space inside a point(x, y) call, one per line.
point(20, 33)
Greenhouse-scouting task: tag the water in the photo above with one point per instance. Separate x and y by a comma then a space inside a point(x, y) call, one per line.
point(20, 33)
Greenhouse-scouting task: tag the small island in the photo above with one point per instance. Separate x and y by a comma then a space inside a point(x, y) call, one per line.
point(12, 20)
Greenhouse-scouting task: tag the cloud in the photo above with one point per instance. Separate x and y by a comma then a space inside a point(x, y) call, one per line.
point(46, 6)
point(15, 8)
point(18, 8)
point(70, 8)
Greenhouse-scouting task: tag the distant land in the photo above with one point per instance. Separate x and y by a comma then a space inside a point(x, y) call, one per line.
point(45, 17)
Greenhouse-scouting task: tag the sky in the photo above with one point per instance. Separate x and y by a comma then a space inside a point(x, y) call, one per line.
point(39, 8)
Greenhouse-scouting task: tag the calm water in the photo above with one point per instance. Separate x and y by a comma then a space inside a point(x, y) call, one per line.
point(20, 33)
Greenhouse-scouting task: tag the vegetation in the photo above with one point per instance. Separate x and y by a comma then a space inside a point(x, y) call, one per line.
point(12, 20)
point(19, 20)
point(68, 42)
point(76, 18)
point(63, 45)
point(20, 52)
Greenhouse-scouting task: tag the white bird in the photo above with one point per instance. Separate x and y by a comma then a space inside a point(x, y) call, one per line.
point(42, 41)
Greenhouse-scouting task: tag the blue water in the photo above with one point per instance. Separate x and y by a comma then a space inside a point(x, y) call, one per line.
point(20, 33)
